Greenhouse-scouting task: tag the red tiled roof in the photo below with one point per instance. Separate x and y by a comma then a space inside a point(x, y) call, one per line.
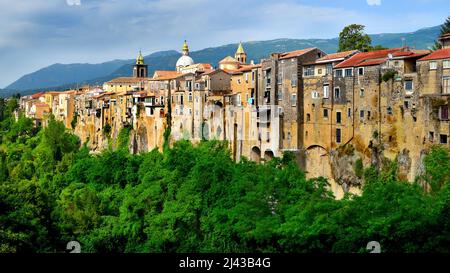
point(245, 68)
point(337, 56)
point(205, 66)
point(437, 55)
point(295, 53)
point(128, 80)
point(37, 95)
point(166, 73)
point(368, 57)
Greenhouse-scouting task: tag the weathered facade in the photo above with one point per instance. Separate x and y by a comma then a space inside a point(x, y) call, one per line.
point(336, 112)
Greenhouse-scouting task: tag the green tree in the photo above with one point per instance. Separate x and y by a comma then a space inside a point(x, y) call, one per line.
point(352, 37)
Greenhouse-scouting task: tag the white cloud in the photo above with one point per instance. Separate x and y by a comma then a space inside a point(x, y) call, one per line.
point(73, 2)
point(374, 2)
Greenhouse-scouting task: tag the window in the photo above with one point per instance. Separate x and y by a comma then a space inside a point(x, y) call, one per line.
point(408, 85)
point(349, 112)
point(190, 97)
point(361, 93)
point(406, 104)
point(206, 83)
point(361, 71)
point(338, 135)
point(361, 113)
point(338, 117)
point(246, 77)
point(161, 100)
point(326, 91)
point(389, 110)
point(190, 111)
point(433, 65)
point(325, 113)
point(239, 81)
point(294, 100)
point(338, 73)
point(253, 76)
point(280, 95)
point(446, 64)
point(308, 117)
point(368, 114)
point(294, 80)
point(443, 139)
point(348, 72)
point(315, 94)
point(329, 69)
point(443, 112)
point(337, 93)
point(431, 136)
point(280, 77)
point(309, 71)
point(319, 71)
point(446, 85)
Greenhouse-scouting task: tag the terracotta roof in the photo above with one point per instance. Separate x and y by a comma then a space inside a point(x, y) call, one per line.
point(437, 55)
point(166, 73)
point(128, 80)
point(228, 59)
point(367, 58)
point(295, 53)
point(245, 68)
point(336, 56)
point(205, 66)
point(37, 95)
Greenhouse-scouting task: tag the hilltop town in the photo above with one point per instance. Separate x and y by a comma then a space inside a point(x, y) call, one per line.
point(336, 112)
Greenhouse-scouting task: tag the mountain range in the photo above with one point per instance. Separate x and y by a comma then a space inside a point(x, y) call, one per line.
point(65, 76)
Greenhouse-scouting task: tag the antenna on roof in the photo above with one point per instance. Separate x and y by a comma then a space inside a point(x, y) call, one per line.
point(403, 42)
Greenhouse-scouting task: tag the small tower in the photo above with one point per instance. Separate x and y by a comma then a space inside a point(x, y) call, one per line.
point(445, 40)
point(140, 69)
point(240, 55)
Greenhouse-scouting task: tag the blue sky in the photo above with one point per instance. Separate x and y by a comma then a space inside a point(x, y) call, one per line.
point(38, 33)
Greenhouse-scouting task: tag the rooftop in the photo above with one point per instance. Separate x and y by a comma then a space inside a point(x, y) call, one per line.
point(437, 55)
point(295, 53)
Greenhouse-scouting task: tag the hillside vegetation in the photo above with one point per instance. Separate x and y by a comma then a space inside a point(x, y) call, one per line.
point(196, 199)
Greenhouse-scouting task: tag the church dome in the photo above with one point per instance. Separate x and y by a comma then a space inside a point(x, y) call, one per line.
point(184, 61)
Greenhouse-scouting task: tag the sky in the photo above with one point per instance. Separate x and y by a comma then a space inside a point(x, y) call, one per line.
point(38, 33)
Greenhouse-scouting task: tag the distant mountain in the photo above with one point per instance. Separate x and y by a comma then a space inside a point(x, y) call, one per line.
point(4, 93)
point(59, 74)
point(62, 76)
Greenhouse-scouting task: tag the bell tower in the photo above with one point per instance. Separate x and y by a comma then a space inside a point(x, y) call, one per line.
point(140, 69)
point(240, 55)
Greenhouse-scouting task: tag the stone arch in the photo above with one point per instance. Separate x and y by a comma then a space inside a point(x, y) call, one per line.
point(255, 154)
point(317, 161)
point(268, 155)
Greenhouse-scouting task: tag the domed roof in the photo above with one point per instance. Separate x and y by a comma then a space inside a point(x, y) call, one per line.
point(184, 60)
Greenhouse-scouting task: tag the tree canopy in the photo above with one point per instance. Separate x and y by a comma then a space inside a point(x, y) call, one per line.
point(194, 198)
point(352, 37)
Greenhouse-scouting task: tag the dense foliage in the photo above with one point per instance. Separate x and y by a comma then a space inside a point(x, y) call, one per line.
point(353, 37)
point(196, 199)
